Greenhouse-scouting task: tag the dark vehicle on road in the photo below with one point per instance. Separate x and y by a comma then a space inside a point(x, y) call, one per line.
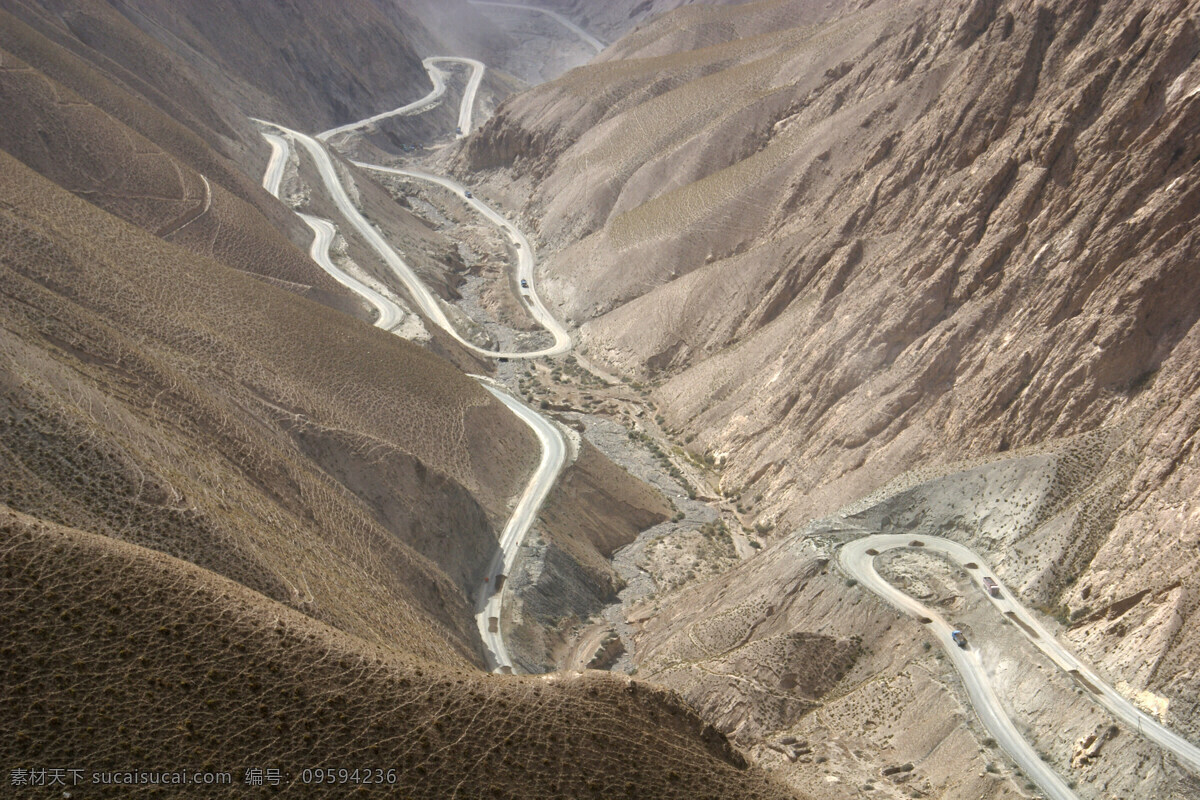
point(959, 639)
point(458, 131)
point(524, 283)
point(468, 194)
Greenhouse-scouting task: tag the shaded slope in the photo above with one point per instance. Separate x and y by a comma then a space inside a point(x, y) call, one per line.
point(567, 576)
point(300, 62)
point(87, 149)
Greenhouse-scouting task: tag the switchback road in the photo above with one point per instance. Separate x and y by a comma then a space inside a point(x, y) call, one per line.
point(858, 559)
point(489, 601)
point(428, 101)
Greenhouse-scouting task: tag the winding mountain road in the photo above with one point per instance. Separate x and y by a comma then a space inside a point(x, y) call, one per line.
point(566, 22)
point(427, 102)
point(489, 601)
point(430, 306)
point(525, 262)
point(857, 558)
point(390, 313)
point(273, 177)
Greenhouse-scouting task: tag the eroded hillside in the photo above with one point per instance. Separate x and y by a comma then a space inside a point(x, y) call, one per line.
point(238, 526)
point(903, 234)
point(213, 676)
point(171, 402)
point(847, 240)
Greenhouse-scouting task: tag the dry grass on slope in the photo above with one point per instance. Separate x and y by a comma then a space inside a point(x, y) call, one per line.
point(106, 49)
point(615, 505)
point(164, 399)
point(119, 658)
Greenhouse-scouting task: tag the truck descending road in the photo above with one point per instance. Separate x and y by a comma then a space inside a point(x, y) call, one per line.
point(992, 587)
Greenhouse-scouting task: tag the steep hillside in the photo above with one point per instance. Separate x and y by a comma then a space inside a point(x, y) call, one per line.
point(614, 18)
point(299, 62)
point(251, 527)
point(117, 657)
point(567, 576)
point(89, 132)
point(846, 240)
point(903, 233)
point(164, 399)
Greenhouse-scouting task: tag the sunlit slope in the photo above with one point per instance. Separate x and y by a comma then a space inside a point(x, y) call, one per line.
point(117, 655)
point(895, 234)
point(158, 397)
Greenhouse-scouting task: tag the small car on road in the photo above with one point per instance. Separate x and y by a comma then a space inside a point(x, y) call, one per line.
point(524, 283)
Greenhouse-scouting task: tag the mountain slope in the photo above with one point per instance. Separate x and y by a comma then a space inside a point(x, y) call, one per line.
point(215, 677)
point(298, 62)
point(847, 240)
point(183, 190)
point(167, 400)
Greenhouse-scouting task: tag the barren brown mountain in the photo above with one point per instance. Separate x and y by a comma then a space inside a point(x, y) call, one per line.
point(348, 481)
point(833, 269)
point(843, 241)
point(248, 526)
point(169, 666)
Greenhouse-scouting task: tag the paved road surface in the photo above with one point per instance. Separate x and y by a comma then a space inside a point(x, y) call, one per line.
point(428, 101)
point(273, 177)
point(525, 261)
point(488, 602)
point(467, 108)
point(390, 314)
point(588, 39)
point(424, 298)
point(858, 562)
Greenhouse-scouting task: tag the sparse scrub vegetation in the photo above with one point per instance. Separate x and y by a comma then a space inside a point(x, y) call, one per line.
point(273, 677)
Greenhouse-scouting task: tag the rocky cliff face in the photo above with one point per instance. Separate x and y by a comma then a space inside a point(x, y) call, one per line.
point(847, 240)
